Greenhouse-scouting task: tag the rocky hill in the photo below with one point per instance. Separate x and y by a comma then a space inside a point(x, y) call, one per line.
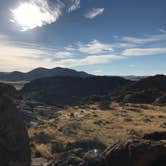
point(40, 73)
point(148, 90)
point(70, 90)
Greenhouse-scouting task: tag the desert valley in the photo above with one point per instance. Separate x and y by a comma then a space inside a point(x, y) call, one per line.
point(73, 117)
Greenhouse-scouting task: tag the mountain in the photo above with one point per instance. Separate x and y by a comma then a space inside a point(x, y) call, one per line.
point(40, 73)
point(70, 90)
point(148, 90)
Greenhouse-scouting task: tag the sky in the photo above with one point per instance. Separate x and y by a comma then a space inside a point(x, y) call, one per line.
point(102, 37)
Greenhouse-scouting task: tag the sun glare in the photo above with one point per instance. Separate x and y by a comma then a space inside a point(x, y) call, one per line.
point(30, 16)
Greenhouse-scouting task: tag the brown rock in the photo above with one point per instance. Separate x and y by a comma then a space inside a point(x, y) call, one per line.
point(136, 153)
point(156, 136)
point(14, 142)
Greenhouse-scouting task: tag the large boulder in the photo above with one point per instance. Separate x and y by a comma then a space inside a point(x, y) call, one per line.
point(14, 141)
point(136, 153)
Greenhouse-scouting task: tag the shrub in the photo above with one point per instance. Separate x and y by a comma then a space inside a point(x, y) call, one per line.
point(57, 147)
point(42, 137)
point(105, 105)
point(86, 145)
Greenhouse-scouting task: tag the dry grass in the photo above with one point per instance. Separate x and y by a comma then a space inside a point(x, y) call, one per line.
point(119, 123)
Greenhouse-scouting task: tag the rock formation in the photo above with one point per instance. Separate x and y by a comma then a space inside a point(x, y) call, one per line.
point(136, 153)
point(147, 151)
point(14, 142)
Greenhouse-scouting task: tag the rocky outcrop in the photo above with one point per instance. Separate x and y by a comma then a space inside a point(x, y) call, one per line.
point(148, 90)
point(155, 136)
point(146, 151)
point(161, 100)
point(71, 90)
point(14, 142)
point(136, 153)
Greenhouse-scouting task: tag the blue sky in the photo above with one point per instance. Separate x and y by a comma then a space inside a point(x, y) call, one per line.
point(104, 37)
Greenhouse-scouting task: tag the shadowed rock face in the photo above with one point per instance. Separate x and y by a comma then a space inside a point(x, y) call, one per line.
point(131, 153)
point(71, 90)
point(148, 90)
point(14, 141)
point(136, 153)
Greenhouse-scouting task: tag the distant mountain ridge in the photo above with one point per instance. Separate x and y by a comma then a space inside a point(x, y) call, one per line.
point(40, 73)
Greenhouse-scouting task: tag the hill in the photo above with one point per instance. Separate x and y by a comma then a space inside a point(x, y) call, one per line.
point(40, 73)
point(69, 90)
point(148, 90)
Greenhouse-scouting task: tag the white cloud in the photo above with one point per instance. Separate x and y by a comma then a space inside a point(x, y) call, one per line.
point(163, 30)
point(89, 60)
point(63, 54)
point(25, 56)
point(144, 51)
point(74, 6)
point(93, 47)
point(18, 58)
point(28, 56)
point(94, 12)
point(36, 13)
point(145, 39)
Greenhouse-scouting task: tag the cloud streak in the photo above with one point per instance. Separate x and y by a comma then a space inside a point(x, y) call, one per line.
point(89, 60)
point(25, 56)
point(144, 40)
point(93, 47)
point(74, 6)
point(63, 55)
point(144, 51)
point(94, 13)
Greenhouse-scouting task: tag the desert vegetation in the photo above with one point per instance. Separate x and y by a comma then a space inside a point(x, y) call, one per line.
point(70, 125)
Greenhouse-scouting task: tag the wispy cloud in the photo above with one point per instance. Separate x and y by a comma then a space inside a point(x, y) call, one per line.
point(89, 60)
point(36, 13)
point(15, 57)
point(75, 5)
point(163, 30)
point(63, 55)
point(94, 13)
point(93, 47)
point(25, 56)
point(144, 51)
point(144, 39)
